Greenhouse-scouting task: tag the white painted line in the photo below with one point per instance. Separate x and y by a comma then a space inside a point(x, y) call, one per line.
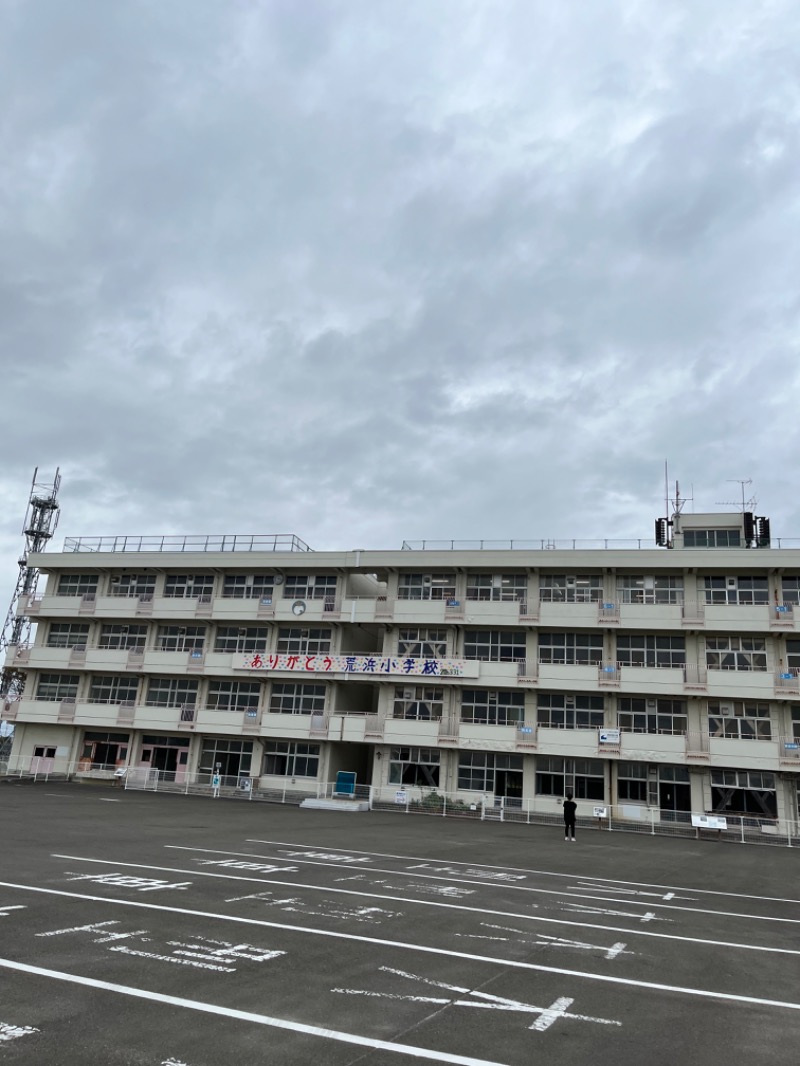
point(102, 799)
point(14, 1032)
point(538, 873)
point(247, 1016)
point(421, 948)
point(560, 893)
point(435, 903)
point(4, 910)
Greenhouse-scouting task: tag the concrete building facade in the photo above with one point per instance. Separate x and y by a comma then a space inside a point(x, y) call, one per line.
point(643, 678)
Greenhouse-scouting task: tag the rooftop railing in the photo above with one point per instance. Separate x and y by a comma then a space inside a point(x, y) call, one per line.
point(226, 542)
point(632, 544)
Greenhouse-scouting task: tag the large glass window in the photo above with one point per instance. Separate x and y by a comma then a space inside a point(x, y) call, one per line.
point(796, 724)
point(418, 702)
point(712, 538)
point(556, 776)
point(632, 781)
point(180, 638)
point(641, 650)
point(132, 585)
point(790, 589)
point(744, 792)
point(482, 706)
point(574, 649)
point(478, 771)
point(121, 636)
point(248, 586)
point(233, 695)
point(736, 590)
point(502, 587)
point(310, 587)
point(288, 698)
point(241, 638)
point(55, 687)
point(571, 588)
point(650, 588)
point(77, 584)
point(299, 641)
point(639, 715)
point(106, 688)
point(188, 586)
point(414, 766)
point(427, 587)
point(287, 759)
point(739, 720)
point(793, 655)
point(494, 645)
point(171, 691)
point(230, 758)
point(736, 653)
point(68, 635)
point(560, 710)
point(422, 642)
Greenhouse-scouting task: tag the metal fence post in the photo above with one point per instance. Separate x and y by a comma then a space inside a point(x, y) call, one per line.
point(652, 823)
point(444, 805)
point(741, 824)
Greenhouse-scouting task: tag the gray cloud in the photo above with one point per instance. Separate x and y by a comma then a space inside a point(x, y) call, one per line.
point(369, 271)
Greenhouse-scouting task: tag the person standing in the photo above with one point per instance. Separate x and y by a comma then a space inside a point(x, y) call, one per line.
point(570, 807)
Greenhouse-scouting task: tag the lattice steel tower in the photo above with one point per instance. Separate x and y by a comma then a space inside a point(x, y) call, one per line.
point(41, 519)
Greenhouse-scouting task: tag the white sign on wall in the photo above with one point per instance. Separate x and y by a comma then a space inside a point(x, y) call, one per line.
point(362, 664)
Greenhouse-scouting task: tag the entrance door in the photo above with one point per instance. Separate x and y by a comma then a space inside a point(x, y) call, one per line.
point(508, 786)
point(43, 760)
point(165, 760)
point(675, 801)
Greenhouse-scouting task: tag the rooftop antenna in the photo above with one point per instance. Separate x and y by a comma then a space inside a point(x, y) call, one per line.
point(745, 504)
point(41, 519)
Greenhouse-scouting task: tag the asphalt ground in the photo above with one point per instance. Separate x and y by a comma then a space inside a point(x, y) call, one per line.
point(165, 930)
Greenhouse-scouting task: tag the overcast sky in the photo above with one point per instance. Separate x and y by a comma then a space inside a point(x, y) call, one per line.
point(369, 270)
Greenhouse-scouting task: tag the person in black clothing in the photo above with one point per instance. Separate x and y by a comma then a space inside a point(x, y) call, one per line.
point(570, 807)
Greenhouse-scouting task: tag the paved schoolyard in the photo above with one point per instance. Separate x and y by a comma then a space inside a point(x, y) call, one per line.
point(159, 929)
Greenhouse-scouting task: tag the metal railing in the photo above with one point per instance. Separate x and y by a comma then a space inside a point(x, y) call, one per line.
point(633, 543)
point(226, 542)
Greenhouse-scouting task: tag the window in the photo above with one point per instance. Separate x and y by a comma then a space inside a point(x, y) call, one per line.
point(632, 781)
point(309, 587)
point(793, 655)
point(414, 766)
point(68, 635)
point(494, 645)
point(233, 695)
point(796, 723)
point(567, 711)
point(248, 586)
point(105, 688)
point(651, 651)
point(575, 649)
point(171, 691)
point(231, 758)
point(123, 636)
point(736, 653)
point(744, 792)
point(297, 641)
point(418, 702)
point(503, 587)
point(180, 638)
point(739, 720)
point(241, 638)
point(297, 699)
point(287, 759)
point(648, 588)
point(638, 715)
point(427, 587)
point(584, 778)
point(422, 643)
point(790, 589)
point(571, 588)
point(77, 584)
point(712, 538)
point(490, 707)
point(55, 687)
point(132, 585)
point(188, 586)
point(736, 590)
point(478, 770)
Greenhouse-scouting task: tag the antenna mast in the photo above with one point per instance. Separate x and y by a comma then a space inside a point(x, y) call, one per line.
point(41, 519)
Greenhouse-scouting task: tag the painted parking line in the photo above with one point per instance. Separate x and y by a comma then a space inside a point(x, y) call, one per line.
point(452, 876)
point(247, 1016)
point(424, 949)
point(14, 1032)
point(436, 903)
point(600, 881)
